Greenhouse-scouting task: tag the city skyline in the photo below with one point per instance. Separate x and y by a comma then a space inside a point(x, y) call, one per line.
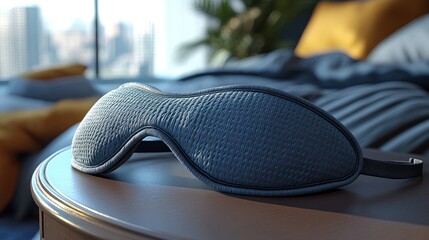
point(123, 44)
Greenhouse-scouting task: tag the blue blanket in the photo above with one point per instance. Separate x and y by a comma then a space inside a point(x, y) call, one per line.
point(330, 70)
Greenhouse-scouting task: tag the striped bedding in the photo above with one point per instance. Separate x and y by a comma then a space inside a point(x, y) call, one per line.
point(391, 116)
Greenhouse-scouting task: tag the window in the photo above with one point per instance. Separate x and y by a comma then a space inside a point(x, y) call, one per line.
point(135, 38)
point(141, 38)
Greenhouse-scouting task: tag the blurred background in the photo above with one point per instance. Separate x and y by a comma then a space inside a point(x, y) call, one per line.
point(164, 38)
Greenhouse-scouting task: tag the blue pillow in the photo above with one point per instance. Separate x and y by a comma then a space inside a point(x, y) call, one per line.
point(53, 90)
point(409, 44)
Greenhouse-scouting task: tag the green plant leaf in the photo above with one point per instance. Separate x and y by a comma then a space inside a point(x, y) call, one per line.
point(252, 30)
point(220, 10)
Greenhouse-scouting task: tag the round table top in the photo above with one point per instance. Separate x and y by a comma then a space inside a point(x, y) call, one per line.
point(154, 196)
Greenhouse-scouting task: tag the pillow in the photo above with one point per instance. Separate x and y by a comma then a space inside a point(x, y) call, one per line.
point(356, 27)
point(410, 44)
point(55, 72)
point(70, 87)
point(26, 132)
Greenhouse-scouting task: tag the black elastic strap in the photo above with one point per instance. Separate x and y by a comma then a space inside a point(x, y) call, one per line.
point(393, 169)
point(372, 167)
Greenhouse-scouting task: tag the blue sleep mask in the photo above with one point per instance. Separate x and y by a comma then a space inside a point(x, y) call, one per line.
point(248, 140)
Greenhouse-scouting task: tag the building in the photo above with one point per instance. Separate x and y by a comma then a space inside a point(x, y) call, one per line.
point(20, 43)
point(119, 43)
point(144, 49)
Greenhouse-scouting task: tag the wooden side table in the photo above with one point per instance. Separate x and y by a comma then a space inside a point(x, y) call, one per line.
point(154, 196)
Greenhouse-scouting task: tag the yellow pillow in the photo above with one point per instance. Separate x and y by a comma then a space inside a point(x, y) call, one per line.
point(356, 27)
point(56, 72)
point(29, 131)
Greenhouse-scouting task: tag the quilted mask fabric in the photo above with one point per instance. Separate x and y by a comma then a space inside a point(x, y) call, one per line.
point(246, 140)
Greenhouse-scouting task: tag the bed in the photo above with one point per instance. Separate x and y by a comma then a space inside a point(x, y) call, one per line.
point(382, 99)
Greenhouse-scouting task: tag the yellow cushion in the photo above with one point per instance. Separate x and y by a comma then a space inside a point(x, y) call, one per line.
point(29, 131)
point(56, 72)
point(356, 27)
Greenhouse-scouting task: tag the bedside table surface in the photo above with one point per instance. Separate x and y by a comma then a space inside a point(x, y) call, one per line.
point(153, 195)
